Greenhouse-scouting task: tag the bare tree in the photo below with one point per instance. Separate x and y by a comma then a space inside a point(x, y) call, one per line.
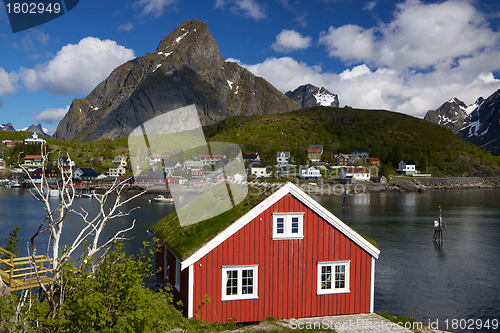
point(89, 236)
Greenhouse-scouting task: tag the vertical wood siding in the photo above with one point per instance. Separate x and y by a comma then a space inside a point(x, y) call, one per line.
point(170, 265)
point(287, 273)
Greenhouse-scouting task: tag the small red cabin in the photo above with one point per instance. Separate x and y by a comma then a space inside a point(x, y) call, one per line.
point(287, 257)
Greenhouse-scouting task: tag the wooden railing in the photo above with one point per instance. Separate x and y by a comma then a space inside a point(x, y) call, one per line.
point(19, 272)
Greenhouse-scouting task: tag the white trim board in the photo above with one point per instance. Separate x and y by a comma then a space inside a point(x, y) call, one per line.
point(268, 202)
point(372, 287)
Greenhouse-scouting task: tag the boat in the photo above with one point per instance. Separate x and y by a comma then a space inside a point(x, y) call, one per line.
point(86, 195)
point(53, 192)
point(14, 184)
point(162, 198)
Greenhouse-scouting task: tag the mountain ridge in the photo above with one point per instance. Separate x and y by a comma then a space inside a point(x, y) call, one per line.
point(7, 127)
point(185, 69)
point(308, 95)
point(478, 123)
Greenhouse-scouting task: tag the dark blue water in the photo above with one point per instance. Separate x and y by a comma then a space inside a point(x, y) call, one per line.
point(18, 207)
point(460, 281)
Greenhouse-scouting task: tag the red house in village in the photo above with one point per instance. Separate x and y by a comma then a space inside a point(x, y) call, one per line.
point(49, 173)
point(284, 256)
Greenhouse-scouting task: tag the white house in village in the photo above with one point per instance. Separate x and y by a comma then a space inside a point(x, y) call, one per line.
point(407, 166)
point(34, 139)
point(171, 167)
point(238, 177)
point(282, 158)
point(358, 173)
point(309, 172)
point(260, 169)
point(208, 159)
point(155, 158)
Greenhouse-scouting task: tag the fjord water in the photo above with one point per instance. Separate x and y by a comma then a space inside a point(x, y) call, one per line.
point(461, 280)
point(18, 207)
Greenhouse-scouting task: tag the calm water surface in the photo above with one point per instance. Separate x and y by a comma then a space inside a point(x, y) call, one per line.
point(461, 280)
point(18, 207)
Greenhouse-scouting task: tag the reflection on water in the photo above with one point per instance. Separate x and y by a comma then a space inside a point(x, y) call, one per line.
point(18, 207)
point(456, 281)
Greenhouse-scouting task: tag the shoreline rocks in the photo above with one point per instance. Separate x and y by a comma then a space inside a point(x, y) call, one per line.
point(402, 185)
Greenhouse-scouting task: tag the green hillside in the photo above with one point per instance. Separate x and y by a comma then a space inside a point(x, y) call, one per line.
point(390, 136)
point(81, 153)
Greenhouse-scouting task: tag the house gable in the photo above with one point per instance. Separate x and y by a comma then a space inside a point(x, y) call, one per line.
point(288, 188)
point(287, 269)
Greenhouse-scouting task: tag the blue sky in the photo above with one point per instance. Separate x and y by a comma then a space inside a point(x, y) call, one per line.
point(406, 56)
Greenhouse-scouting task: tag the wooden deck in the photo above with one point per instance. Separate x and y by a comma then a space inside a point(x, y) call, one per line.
point(19, 272)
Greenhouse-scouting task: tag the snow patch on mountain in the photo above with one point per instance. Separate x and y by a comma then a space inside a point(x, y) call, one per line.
point(157, 66)
point(325, 98)
point(443, 120)
point(473, 128)
point(178, 39)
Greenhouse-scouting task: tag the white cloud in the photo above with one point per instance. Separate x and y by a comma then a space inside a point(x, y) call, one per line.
point(387, 88)
point(154, 7)
point(420, 36)
point(291, 40)
point(125, 27)
point(249, 8)
point(370, 5)
point(7, 82)
point(33, 37)
point(349, 42)
point(51, 116)
point(350, 74)
point(77, 68)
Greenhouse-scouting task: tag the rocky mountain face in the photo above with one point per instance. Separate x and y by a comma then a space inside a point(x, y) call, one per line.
point(482, 126)
point(38, 130)
point(452, 114)
point(308, 96)
point(7, 128)
point(185, 69)
point(478, 123)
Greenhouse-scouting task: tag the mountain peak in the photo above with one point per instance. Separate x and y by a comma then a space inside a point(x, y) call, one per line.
point(38, 130)
point(309, 95)
point(7, 128)
point(477, 123)
point(191, 44)
point(452, 114)
point(186, 68)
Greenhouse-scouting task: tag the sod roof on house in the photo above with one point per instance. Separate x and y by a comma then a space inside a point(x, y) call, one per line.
point(185, 241)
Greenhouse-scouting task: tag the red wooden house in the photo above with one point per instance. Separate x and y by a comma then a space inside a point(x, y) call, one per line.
point(49, 173)
point(176, 180)
point(286, 257)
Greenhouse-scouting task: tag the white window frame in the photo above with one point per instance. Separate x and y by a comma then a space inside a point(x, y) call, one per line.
point(333, 289)
point(177, 274)
point(287, 220)
point(240, 295)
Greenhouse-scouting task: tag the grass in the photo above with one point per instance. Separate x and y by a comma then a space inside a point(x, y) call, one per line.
point(401, 320)
point(391, 136)
point(184, 241)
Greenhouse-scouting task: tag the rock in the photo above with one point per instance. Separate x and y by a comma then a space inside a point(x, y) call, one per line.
point(309, 96)
point(185, 69)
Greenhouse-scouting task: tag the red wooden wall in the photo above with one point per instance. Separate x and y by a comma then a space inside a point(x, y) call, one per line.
point(287, 273)
point(170, 266)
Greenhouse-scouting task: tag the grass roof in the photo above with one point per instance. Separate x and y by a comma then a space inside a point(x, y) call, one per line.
point(185, 241)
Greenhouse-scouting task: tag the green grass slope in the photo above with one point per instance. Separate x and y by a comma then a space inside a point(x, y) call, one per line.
point(391, 136)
